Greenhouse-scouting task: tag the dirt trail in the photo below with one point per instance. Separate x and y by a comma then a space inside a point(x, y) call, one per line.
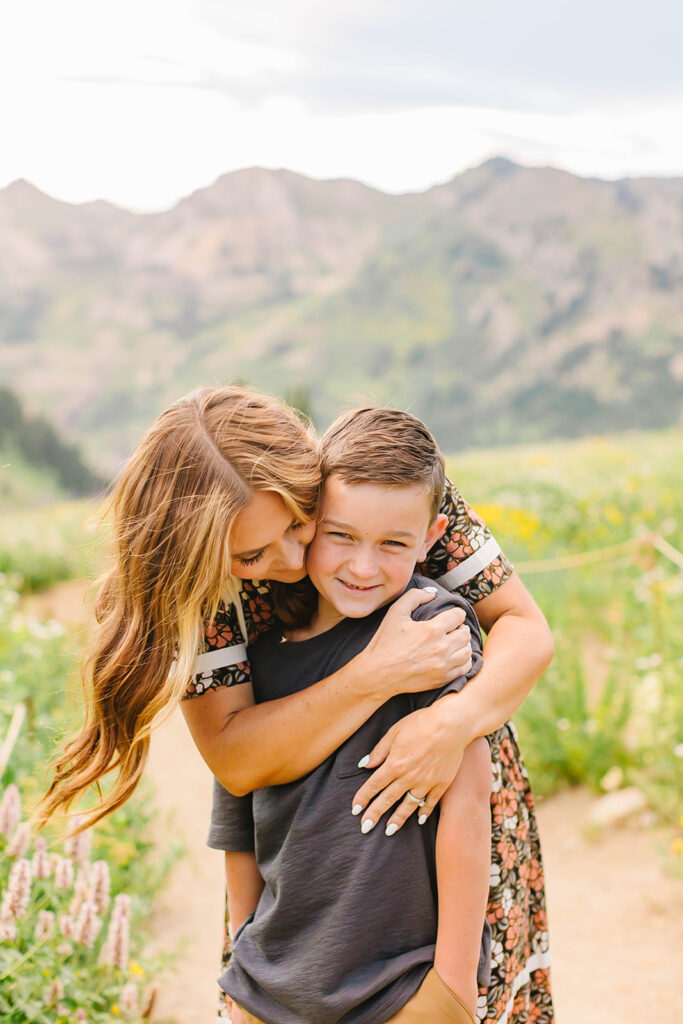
point(616, 918)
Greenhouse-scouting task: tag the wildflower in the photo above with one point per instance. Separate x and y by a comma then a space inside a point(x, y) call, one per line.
point(115, 1010)
point(88, 924)
point(8, 931)
point(148, 1001)
point(677, 845)
point(78, 845)
point(115, 949)
point(66, 925)
point(10, 810)
point(40, 862)
point(81, 891)
point(135, 968)
point(54, 992)
point(18, 844)
point(45, 925)
point(64, 873)
point(129, 997)
point(99, 885)
point(65, 949)
point(563, 724)
point(16, 896)
point(612, 779)
point(81, 1016)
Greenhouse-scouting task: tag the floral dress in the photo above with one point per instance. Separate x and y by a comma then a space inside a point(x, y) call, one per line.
point(467, 560)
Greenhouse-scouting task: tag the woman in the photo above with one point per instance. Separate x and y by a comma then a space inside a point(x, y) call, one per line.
point(224, 488)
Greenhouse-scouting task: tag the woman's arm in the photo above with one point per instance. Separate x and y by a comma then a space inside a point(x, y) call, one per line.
point(244, 885)
point(249, 746)
point(422, 752)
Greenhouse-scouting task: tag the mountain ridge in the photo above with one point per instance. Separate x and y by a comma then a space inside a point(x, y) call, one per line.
point(508, 299)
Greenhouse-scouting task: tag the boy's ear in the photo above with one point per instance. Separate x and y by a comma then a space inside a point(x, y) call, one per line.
point(434, 533)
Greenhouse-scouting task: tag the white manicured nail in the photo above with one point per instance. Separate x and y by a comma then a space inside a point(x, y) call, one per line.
point(390, 829)
point(421, 820)
point(363, 761)
point(430, 590)
point(367, 826)
point(357, 808)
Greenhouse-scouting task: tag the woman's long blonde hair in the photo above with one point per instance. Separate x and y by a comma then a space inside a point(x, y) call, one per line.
point(173, 508)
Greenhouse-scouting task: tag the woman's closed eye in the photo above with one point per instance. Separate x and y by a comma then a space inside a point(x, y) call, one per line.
point(251, 559)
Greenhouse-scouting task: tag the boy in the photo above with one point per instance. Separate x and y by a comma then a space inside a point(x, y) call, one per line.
point(345, 929)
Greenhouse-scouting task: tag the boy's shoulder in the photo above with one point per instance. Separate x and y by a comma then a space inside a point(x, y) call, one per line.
point(443, 599)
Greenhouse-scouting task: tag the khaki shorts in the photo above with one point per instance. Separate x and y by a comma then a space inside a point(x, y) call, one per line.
point(433, 1003)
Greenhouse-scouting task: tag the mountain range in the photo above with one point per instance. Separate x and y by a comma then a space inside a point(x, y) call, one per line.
point(510, 303)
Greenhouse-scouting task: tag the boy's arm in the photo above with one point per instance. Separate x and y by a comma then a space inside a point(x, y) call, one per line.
point(244, 885)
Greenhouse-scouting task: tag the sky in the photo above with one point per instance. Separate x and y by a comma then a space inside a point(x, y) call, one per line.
point(144, 101)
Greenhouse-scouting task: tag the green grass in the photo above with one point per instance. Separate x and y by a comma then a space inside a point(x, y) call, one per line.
point(612, 697)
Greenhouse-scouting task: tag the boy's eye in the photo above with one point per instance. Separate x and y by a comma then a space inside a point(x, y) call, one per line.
point(396, 543)
point(253, 560)
point(337, 533)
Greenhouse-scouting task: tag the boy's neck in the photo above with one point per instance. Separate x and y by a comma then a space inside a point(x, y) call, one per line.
point(324, 617)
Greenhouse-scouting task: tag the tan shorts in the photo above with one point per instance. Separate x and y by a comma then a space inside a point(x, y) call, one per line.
point(433, 1003)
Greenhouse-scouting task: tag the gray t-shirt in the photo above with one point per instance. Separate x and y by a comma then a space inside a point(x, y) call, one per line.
point(345, 930)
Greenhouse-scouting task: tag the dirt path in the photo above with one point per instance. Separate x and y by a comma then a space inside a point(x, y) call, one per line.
point(616, 918)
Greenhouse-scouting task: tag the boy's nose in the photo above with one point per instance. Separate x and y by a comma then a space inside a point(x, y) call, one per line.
point(363, 566)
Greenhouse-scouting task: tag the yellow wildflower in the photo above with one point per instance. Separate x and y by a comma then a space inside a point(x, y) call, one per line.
point(677, 846)
point(115, 1010)
point(136, 969)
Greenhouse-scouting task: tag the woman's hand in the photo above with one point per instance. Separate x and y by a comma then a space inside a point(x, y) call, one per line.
point(421, 754)
point(406, 656)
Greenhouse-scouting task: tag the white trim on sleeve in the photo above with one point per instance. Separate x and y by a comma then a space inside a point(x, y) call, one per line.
point(468, 569)
point(211, 660)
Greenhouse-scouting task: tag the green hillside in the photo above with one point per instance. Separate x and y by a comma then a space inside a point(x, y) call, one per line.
point(508, 304)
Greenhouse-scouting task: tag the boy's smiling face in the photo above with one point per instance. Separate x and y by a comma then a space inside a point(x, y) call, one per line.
point(366, 545)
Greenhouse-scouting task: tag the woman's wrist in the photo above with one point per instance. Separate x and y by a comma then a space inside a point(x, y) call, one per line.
point(457, 717)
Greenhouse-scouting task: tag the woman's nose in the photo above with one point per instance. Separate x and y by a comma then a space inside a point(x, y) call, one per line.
point(293, 553)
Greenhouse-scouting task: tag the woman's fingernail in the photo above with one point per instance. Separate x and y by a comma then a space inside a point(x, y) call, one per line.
point(421, 820)
point(367, 826)
point(390, 829)
point(357, 808)
point(363, 761)
point(430, 590)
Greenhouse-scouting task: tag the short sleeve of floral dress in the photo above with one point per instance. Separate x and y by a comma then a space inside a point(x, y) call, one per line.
point(468, 560)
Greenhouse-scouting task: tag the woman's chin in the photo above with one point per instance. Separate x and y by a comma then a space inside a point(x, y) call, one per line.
point(290, 576)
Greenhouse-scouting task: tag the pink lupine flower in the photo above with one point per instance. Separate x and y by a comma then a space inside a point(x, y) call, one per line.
point(66, 925)
point(64, 873)
point(8, 931)
point(10, 810)
point(40, 862)
point(53, 992)
point(65, 949)
point(81, 891)
point(18, 844)
point(99, 885)
point(115, 950)
point(15, 898)
point(88, 924)
point(45, 925)
point(81, 1015)
point(78, 846)
point(129, 997)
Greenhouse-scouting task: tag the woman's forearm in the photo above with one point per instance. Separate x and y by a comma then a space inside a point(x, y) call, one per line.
point(518, 649)
point(281, 740)
point(244, 887)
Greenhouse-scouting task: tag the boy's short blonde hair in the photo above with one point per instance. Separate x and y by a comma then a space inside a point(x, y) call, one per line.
point(374, 445)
